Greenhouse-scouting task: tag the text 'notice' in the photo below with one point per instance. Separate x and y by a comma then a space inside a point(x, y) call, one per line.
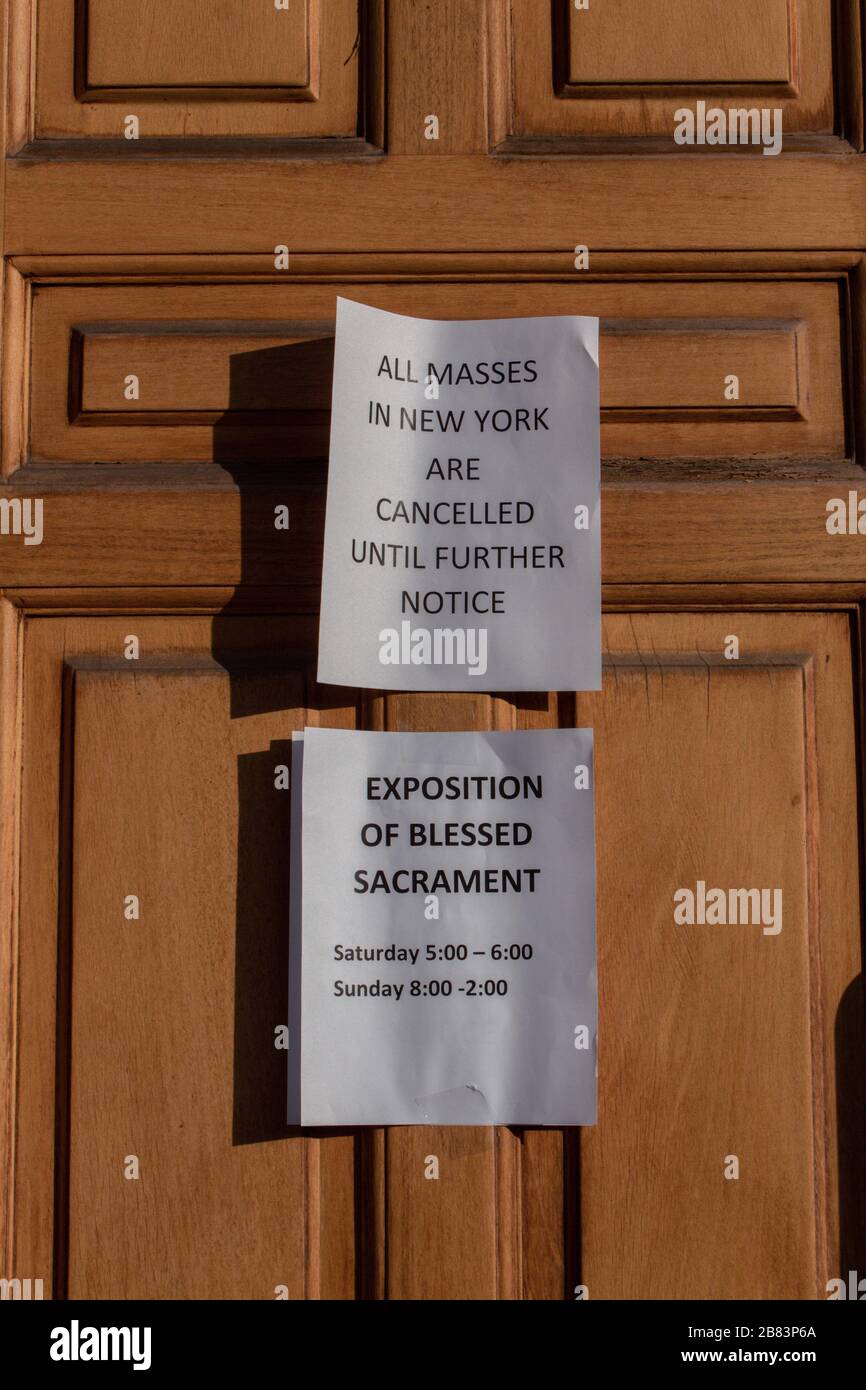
point(462, 539)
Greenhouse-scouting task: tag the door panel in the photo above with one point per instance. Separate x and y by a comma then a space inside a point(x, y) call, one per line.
point(161, 49)
point(218, 366)
point(191, 71)
point(689, 45)
point(156, 1069)
point(741, 774)
point(163, 772)
point(166, 1052)
point(168, 304)
point(621, 70)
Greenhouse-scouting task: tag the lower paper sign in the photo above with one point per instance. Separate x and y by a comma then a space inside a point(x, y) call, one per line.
point(446, 951)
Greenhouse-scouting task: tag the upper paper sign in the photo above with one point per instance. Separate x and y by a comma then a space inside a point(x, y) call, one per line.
point(462, 540)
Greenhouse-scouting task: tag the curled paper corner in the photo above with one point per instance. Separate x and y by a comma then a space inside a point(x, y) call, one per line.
point(465, 1105)
point(587, 335)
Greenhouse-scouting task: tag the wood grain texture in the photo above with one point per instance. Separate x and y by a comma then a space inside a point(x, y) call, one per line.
point(10, 775)
point(653, 369)
point(180, 1074)
point(436, 66)
point(514, 1195)
point(621, 71)
point(158, 47)
point(257, 600)
point(702, 263)
point(395, 266)
point(757, 1061)
point(234, 1172)
point(434, 203)
point(187, 369)
point(194, 77)
point(11, 715)
point(139, 531)
point(667, 351)
point(676, 43)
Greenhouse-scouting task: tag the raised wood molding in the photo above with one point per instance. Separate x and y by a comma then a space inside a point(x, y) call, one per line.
point(303, 85)
point(394, 266)
point(530, 73)
point(11, 633)
point(84, 110)
point(202, 392)
point(257, 600)
point(816, 435)
point(781, 78)
point(640, 370)
point(320, 1166)
point(649, 672)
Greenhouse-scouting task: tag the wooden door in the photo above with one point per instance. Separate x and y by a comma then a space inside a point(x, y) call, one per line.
point(187, 190)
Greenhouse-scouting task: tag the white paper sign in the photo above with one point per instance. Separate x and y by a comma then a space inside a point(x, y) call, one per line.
point(447, 904)
point(462, 538)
